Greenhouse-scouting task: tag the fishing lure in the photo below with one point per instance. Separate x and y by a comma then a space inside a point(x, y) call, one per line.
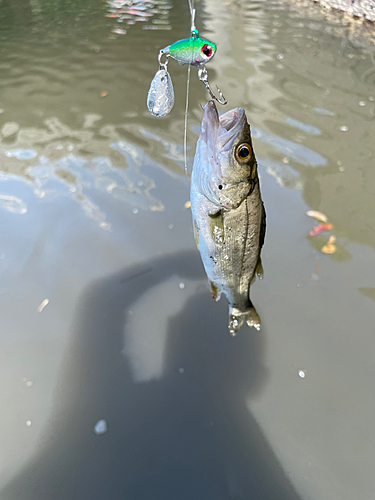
point(194, 51)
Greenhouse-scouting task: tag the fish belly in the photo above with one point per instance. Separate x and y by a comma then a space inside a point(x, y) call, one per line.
point(229, 245)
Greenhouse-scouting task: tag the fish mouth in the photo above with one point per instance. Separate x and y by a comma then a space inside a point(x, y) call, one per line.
point(213, 148)
point(220, 132)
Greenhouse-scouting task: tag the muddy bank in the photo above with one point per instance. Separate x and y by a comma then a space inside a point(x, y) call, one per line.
point(360, 8)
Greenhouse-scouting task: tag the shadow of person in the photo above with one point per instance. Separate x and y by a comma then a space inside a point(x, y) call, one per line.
point(188, 435)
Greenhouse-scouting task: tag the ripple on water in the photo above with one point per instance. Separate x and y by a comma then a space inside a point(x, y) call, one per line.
point(298, 152)
point(55, 167)
point(154, 12)
point(12, 204)
point(305, 127)
point(20, 154)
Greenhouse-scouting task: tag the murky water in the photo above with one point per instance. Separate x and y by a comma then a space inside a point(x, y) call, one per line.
point(118, 378)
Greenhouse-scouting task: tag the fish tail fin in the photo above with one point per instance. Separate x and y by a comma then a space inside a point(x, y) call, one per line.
point(237, 318)
point(253, 318)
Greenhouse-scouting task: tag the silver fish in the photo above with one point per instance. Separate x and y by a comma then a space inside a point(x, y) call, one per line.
point(229, 219)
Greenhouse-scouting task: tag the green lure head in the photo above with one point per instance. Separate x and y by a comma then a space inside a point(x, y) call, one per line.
point(194, 51)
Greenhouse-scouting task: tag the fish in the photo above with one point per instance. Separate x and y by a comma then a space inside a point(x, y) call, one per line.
point(229, 218)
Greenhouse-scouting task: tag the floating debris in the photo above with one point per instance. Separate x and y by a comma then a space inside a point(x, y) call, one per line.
point(42, 305)
point(367, 291)
point(319, 229)
point(181, 286)
point(187, 204)
point(104, 93)
point(119, 31)
point(302, 374)
point(330, 247)
point(28, 423)
point(100, 427)
point(317, 215)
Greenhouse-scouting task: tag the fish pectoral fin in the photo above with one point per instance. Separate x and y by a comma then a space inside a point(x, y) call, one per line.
point(237, 318)
point(252, 318)
point(235, 194)
point(215, 212)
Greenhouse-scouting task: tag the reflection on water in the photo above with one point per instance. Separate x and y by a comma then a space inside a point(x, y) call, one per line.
point(12, 204)
point(292, 150)
point(59, 159)
point(153, 13)
point(92, 184)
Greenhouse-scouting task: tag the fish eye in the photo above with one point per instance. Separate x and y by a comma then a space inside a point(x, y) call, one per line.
point(244, 152)
point(207, 50)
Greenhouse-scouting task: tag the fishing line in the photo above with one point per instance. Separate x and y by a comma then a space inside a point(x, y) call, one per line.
point(193, 51)
point(192, 22)
point(186, 120)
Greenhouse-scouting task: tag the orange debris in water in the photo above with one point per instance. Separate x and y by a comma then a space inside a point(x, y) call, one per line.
point(330, 247)
point(319, 229)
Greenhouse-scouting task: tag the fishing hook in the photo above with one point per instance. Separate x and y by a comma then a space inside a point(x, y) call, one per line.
point(203, 77)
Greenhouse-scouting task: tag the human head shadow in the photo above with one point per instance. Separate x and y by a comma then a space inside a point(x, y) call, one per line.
point(187, 435)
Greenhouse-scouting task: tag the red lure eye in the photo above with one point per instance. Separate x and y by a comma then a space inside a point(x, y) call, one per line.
point(207, 50)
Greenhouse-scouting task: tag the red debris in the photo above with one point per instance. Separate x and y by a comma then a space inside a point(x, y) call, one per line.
point(319, 229)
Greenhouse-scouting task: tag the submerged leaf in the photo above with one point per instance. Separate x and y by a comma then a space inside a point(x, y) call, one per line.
point(319, 229)
point(317, 215)
point(330, 247)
